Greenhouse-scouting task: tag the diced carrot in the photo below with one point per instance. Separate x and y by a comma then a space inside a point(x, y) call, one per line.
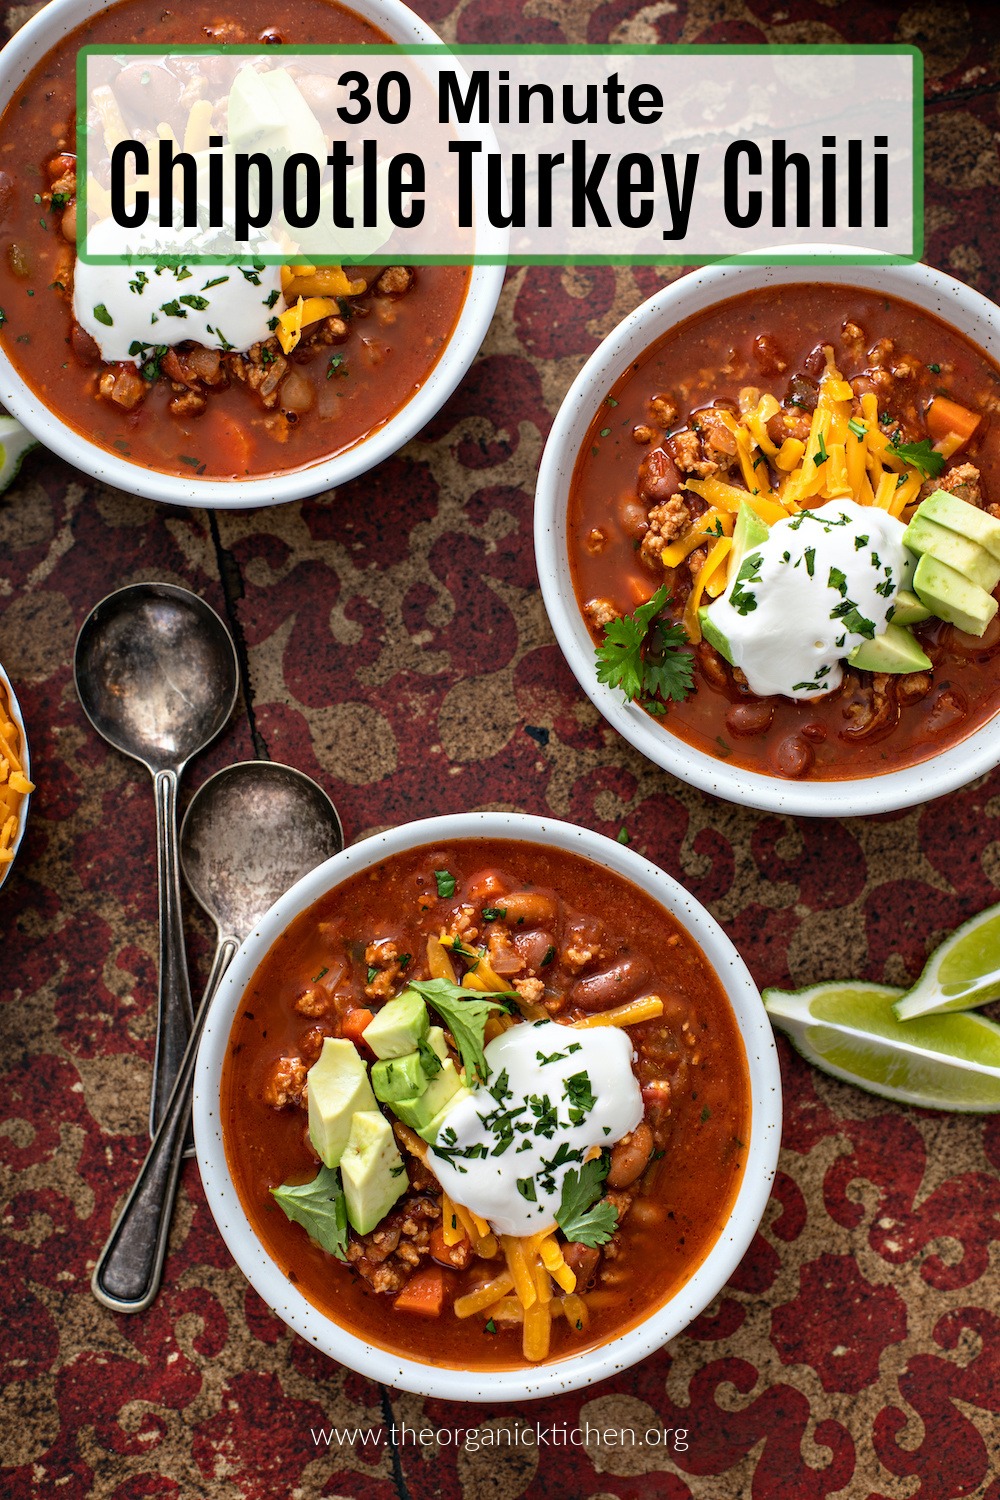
point(423, 1294)
point(354, 1024)
point(945, 417)
point(449, 1255)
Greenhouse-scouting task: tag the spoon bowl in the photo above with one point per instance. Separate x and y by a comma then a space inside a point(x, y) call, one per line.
point(156, 672)
point(157, 676)
point(251, 832)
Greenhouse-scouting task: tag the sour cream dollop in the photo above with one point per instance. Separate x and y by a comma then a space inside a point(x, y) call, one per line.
point(553, 1093)
point(822, 582)
point(129, 310)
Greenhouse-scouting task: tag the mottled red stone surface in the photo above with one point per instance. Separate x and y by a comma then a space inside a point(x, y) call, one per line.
point(399, 652)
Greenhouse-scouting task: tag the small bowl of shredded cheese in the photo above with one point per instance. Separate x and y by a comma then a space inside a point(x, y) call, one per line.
point(16, 785)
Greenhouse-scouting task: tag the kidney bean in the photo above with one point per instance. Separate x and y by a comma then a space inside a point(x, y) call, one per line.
point(816, 732)
point(609, 987)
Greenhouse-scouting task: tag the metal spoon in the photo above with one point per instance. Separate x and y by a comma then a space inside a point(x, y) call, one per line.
point(157, 676)
point(250, 832)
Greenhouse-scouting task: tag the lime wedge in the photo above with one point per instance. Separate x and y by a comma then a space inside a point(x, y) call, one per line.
point(850, 1030)
point(14, 444)
point(964, 971)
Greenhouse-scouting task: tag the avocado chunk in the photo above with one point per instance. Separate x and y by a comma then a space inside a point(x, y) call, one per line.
point(953, 598)
point(968, 520)
point(713, 635)
point(749, 531)
point(371, 1170)
point(399, 1027)
point(441, 1092)
point(399, 1078)
point(909, 610)
point(959, 552)
point(336, 1087)
point(268, 113)
point(895, 650)
point(437, 1043)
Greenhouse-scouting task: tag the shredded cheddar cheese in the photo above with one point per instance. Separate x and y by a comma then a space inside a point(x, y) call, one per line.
point(14, 784)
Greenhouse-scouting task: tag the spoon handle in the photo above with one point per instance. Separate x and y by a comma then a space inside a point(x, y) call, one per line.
point(174, 1014)
point(128, 1272)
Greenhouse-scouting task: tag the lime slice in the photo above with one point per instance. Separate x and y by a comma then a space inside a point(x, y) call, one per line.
point(964, 971)
point(849, 1029)
point(15, 442)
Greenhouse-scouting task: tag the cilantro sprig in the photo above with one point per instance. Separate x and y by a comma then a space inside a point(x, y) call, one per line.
point(642, 655)
point(320, 1207)
point(580, 1217)
point(923, 456)
point(464, 1017)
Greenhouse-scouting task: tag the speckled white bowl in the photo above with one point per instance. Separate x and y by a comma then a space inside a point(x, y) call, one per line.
point(18, 718)
point(951, 301)
point(560, 1375)
point(26, 48)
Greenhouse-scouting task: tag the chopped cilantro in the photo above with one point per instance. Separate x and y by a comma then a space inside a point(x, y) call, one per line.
point(270, 299)
point(489, 1326)
point(641, 655)
point(337, 366)
point(810, 556)
point(217, 282)
point(464, 1017)
point(445, 882)
point(934, 369)
point(547, 957)
point(493, 913)
point(197, 303)
point(923, 456)
point(838, 581)
point(320, 1207)
point(579, 1221)
point(103, 316)
point(173, 309)
point(324, 970)
point(822, 456)
point(526, 1187)
point(371, 975)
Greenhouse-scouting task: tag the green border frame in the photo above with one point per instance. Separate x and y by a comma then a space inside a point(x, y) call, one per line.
point(464, 49)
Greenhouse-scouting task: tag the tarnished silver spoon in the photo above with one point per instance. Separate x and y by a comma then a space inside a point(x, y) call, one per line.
point(249, 834)
point(157, 676)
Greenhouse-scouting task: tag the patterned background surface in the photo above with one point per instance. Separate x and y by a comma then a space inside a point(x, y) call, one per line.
point(397, 649)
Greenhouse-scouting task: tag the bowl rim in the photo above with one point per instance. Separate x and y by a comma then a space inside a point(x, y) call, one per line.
point(18, 718)
point(579, 1370)
point(956, 304)
point(28, 45)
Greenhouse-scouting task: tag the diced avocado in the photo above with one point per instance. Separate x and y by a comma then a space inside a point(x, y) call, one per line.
point(336, 1087)
point(713, 635)
point(432, 1129)
point(437, 1043)
point(749, 531)
point(399, 1027)
point(371, 1170)
point(268, 113)
point(909, 610)
point(953, 598)
point(417, 1111)
point(895, 650)
point(959, 552)
point(399, 1078)
point(968, 520)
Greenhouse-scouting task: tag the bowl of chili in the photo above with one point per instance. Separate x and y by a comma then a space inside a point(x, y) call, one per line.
point(588, 959)
point(16, 785)
point(294, 414)
point(713, 396)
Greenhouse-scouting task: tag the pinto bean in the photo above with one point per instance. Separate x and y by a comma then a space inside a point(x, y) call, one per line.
point(533, 907)
point(610, 986)
point(582, 1261)
point(629, 1157)
point(794, 756)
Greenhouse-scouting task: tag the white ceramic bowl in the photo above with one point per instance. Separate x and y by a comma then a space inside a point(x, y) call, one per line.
point(18, 718)
point(19, 56)
point(951, 301)
point(561, 1375)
